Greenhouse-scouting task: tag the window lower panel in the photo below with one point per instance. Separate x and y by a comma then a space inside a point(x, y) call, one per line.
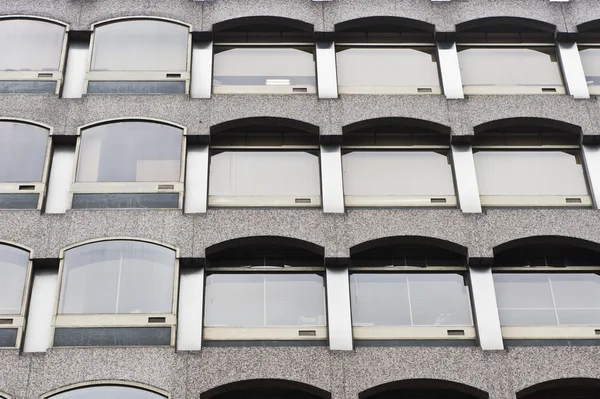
point(136, 87)
point(28, 86)
point(113, 336)
point(8, 337)
point(126, 201)
point(19, 201)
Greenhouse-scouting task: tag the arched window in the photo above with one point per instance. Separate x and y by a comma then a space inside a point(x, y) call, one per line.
point(264, 55)
point(264, 288)
point(386, 55)
point(32, 53)
point(576, 388)
point(141, 56)
point(116, 293)
point(548, 287)
point(15, 269)
point(112, 391)
point(508, 56)
point(24, 153)
point(409, 287)
point(129, 164)
point(524, 164)
point(273, 163)
point(423, 389)
point(397, 163)
point(267, 389)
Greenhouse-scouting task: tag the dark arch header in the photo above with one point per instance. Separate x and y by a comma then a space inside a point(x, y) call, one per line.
point(265, 384)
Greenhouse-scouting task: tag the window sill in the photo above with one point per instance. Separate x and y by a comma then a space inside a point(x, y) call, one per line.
point(550, 332)
point(115, 320)
point(434, 332)
point(393, 201)
point(538, 200)
point(513, 89)
point(410, 90)
point(23, 190)
point(265, 89)
point(265, 333)
point(264, 201)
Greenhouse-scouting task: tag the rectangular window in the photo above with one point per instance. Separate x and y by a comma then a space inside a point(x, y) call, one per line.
point(590, 58)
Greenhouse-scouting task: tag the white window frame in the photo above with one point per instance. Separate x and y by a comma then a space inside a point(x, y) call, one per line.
point(593, 89)
point(38, 187)
point(494, 89)
point(116, 319)
point(404, 200)
point(40, 76)
point(18, 320)
point(274, 89)
point(285, 333)
point(96, 383)
point(548, 332)
point(219, 201)
point(136, 76)
point(584, 201)
point(415, 332)
point(129, 187)
point(415, 90)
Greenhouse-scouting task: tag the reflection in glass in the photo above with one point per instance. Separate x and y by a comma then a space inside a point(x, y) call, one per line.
point(264, 67)
point(387, 67)
point(30, 45)
point(108, 391)
point(22, 152)
point(590, 58)
point(130, 152)
point(535, 299)
point(13, 271)
point(395, 173)
point(116, 277)
point(529, 173)
point(140, 45)
point(394, 299)
point(509, 66)
point(264, 300)
point(247, 173)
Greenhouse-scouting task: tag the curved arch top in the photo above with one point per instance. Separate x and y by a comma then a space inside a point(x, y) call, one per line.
point(265, 383)
point(262, 24)
point(425, 384)
point(106, 239)
point(285, 123)
point(547, 240)
point(152, 392)
point(408, 240)
point(528, 122)
point(265, 240)
point(17, 246)
point(138, 18)
point(384, 24)
point(130, 119)
point(589, 26)
point(581, 383)
point(405, 123)
point(37, 18)
point(490, 24)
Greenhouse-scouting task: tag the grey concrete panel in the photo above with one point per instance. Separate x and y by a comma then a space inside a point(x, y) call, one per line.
point(579, 12)
point(14, 372)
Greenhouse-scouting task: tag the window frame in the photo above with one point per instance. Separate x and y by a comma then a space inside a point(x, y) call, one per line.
point(389, 90)
point(25, 187)
point(219, 201)
point(548, 332)
point(138, 76)
point(592, 89)
point(535, 200)
point(18, 320)
point(56, 76)
point(494, 89)
point(274, 89)
point(95, 383)
point(355, 201)
point(129, 187)
point(278, 333)
point(87, 320)
point(415, 332)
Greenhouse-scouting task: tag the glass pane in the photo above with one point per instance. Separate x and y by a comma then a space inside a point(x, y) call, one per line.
point(136, 87)
point(117, 277)
point(28, 87)
point(590, 58)
point(383, 173)
point(130, 152)
point(264, 173)
point(577, 298)
point(113, 336)
point(22, 152)
point(30, 45)
point(107, 392)
point(13, 271)
point(509, 66)
point(524, 299)
point(385, 67)
point(529, 173)
point(264, 66)
point(379, 300)
point(263, 300)
point(8, 337)
point(125, 201)
point(140, 45)
point(19, 201)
